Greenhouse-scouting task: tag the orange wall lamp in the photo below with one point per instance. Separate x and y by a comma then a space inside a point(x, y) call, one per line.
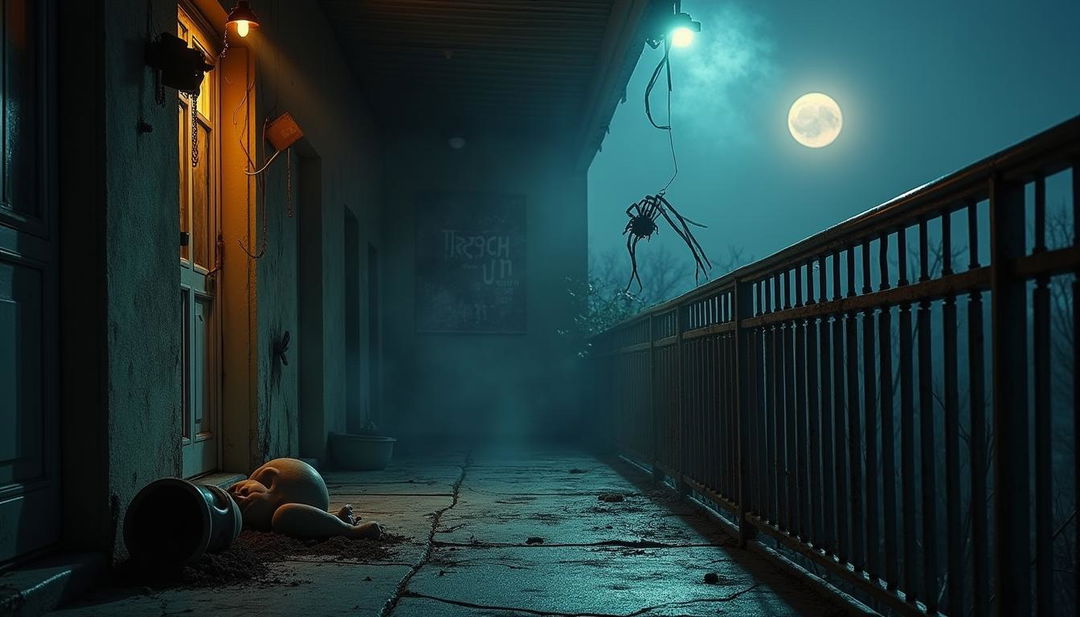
point(243, 18)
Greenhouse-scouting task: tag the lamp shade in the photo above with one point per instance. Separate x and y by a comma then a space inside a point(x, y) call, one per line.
point(243, 17)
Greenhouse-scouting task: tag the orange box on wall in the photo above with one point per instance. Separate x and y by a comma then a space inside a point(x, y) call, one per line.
point(283, 132)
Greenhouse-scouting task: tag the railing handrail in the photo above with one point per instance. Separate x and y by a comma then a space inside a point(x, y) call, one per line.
point(1052, 146)
point(849, 400)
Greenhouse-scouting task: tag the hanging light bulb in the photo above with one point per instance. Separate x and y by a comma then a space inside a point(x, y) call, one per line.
point(680, 37)
point(683, 29)
point(243, 17)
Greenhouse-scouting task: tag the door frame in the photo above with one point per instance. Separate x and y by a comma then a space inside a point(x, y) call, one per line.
point(34, 242)
point(203, 455)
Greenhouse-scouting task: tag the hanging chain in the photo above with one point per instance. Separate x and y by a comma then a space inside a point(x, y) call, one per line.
point(288, 183)
point(159, 88)
point(225, 43)
point(193, 99)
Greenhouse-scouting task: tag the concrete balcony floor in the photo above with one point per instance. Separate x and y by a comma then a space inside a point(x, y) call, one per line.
point(470, 519)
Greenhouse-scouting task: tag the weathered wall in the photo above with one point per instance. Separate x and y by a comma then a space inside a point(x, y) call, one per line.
point(142, 231)
point(482, 385)
point(122, 337)
point(300, 70)
point(119, 187)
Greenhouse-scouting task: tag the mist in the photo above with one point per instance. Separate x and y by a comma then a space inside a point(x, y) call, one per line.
point(925, 90)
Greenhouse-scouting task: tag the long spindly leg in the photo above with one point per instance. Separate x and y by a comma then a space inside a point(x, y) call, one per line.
point(681, 217)
point(685, 228)
point(631, 248)
point(649, 210)
point(703, 265)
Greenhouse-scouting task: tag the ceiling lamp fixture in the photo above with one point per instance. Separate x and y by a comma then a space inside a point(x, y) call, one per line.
point(243, 17)
point(683, 29)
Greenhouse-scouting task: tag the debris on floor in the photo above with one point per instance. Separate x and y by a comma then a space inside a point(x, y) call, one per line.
point(275, 547)
point(576, 470)
point(611, 497)
point(535, 540)
point(711, 578)
point(247, 559)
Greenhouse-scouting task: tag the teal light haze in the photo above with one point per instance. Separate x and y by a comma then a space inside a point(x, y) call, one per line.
point(925, 88)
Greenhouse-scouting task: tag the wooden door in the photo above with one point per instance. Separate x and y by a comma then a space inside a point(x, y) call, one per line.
point(29, 481)
point(199, 259)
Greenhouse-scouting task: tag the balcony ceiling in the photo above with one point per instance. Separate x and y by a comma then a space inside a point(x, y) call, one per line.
point(469, 65)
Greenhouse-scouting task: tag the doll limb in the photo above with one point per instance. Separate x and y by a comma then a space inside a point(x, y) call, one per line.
point(303, 521)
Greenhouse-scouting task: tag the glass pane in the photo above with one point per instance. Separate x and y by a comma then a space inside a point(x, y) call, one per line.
point(19, 101)
point(203, 394)
point(201, 200)
point(183, 174)
point(204, 104)
point(185, 399)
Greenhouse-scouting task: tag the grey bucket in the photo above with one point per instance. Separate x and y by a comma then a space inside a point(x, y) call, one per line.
point(172, 522)
point(361, 452)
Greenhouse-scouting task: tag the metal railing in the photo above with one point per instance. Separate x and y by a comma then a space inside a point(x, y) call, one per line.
point(893, 400)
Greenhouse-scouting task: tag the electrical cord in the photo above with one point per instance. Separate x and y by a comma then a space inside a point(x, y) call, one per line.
point(267, 164)
point(665, 63)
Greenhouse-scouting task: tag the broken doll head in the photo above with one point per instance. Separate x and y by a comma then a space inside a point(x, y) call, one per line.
point(278, 482)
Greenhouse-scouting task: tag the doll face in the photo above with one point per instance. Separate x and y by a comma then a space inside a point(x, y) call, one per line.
point(257, 503)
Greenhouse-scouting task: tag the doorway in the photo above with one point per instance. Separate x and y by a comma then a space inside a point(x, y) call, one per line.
point(29, 438)
point(199, 258)
point(351, 269)
point(309, 309)
point(374, 343)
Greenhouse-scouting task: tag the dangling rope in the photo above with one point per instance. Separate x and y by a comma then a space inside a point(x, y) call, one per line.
point(662, 66)
point(644, 214)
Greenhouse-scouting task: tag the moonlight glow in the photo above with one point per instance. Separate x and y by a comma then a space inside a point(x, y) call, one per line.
point(815, 120)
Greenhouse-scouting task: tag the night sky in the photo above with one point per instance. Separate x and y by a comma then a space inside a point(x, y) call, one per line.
point(925, 87)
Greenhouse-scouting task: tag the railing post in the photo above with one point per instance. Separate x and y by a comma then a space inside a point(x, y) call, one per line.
point(743, 306)
point(677, 464)
point(652, 393)
point(1012, 495)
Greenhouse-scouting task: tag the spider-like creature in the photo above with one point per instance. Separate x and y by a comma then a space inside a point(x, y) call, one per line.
point(642, 224)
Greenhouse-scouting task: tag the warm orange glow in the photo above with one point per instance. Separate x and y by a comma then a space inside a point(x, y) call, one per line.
point(244, 18)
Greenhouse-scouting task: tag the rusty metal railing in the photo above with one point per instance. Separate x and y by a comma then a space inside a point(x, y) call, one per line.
point(891, 401)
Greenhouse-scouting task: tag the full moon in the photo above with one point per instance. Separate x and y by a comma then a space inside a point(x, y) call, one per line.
point(815, 120)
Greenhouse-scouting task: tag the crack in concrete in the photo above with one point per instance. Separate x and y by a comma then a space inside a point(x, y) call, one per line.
point(425, 557)
point(550, 494)
point(399, 494)
point(602, 543)
point(531, 611)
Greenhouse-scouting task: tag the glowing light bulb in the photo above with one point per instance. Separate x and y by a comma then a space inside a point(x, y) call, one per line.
point(243, 27)
point(682, 37)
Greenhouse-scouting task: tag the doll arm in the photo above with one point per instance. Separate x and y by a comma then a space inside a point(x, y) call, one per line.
point(303, 521)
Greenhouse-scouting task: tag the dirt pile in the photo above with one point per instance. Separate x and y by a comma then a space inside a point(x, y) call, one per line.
point(248, 559)
point(272, 547)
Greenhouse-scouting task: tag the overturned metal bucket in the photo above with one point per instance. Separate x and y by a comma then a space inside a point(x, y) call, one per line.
point(172, 522)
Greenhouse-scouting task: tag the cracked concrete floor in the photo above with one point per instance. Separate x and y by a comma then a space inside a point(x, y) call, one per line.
point(475, 523)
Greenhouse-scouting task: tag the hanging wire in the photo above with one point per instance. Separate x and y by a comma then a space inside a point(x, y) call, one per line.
point(265, 165)
point(671, 140)
point(644, 215)
point(260, 187)
point(663, 66)
point(652, 84)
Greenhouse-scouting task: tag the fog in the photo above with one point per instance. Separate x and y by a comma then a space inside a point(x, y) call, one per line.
point(926, 88)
